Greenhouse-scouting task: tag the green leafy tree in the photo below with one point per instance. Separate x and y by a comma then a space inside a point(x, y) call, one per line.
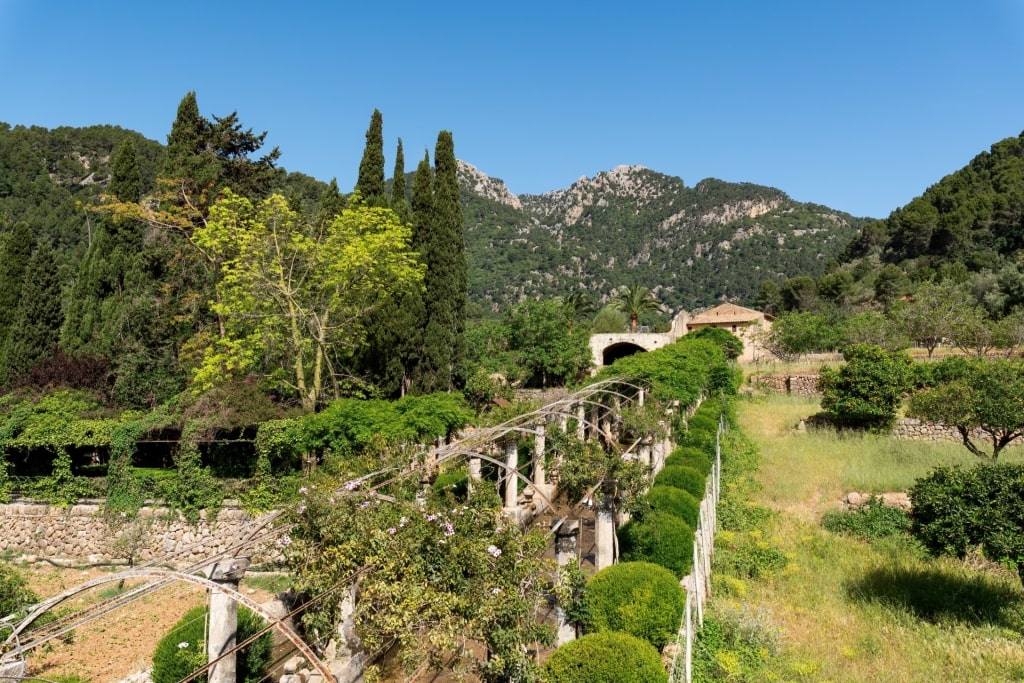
point(872, 327)
point(973, 331)
point(957, 510)
point(298, 292)
point(370, 182)
point(982, 397)
point(635, 300)
point(868, 389)
point(731, 345)
point(545, 341)
point(609, 320)
point(929, 316)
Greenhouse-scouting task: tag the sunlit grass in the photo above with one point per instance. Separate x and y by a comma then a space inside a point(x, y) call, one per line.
point(849, 610)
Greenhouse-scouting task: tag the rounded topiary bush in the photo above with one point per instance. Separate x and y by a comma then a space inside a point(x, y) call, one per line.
point(688, 456)
point(607, 657)
point(183, 649)
point(660, 538)
point(685, 478)
point(678, 502)
point(639, 598)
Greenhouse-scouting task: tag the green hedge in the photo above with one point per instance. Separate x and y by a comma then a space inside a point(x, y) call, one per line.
point(685, 478)
point(688, 456)
point(661, 538)
point(183, 649)
point(607, 657)
point(638, 598)
point(677, 502)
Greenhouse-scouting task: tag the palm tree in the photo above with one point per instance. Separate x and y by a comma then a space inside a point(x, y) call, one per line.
point(578, 304)
point(635, 300)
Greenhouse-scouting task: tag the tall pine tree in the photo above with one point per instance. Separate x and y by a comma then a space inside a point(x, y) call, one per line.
point(445, 284)
point(370, 184)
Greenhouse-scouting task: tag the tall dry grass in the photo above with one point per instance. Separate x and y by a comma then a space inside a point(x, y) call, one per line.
point(850, 610)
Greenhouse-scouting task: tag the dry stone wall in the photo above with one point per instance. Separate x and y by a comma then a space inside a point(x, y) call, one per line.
point(910, 428)
point(81, 534)
point(799, 385)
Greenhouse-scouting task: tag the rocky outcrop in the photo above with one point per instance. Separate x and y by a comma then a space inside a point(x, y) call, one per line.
point(485, 186)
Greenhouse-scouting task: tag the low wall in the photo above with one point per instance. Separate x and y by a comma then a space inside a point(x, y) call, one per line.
point(798, 385)
point(910, 428)
point(81, 534)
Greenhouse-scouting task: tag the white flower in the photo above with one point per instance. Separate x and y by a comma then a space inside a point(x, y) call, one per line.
point(303, 491)
point(301, 509)
point(182, 646)
point(494, 550)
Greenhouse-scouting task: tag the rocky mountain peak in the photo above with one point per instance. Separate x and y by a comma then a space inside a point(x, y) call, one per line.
point(485, 186)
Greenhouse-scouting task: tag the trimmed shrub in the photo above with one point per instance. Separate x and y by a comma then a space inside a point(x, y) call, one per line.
point(661, 538)
point(638, 598)
point(608, 657)
point(678, 502)
point(183, 649)
point(685, 478)
point(688, 456)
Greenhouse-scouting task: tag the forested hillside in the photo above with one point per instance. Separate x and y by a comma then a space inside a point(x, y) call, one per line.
point(691, 246)
point(946, 268)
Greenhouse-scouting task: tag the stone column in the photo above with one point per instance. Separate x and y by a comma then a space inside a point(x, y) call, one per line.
point(581, 425)
point(224, 618)
point(565, 552)
point(511, 482)
point(604, 537)
point(640, 398)
point(539, 442)
point(474, 469)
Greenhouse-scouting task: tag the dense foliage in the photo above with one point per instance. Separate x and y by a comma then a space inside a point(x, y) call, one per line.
point(868, 389)
point(660, 538)
point(956, 510)
point(982, 399)
point(638, 598)
point(182, 650)
point(608, 657)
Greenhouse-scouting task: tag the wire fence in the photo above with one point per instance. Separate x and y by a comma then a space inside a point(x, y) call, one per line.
point(698, 583)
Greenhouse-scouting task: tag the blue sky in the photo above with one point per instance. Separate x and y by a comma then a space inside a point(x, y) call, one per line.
point(858, 106)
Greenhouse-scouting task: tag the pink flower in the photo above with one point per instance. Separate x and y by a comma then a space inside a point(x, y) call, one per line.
point(303, 491)
point(392, 530)
point(494, 550)
point(352, 485)
point(300, 509)
point(449, 530)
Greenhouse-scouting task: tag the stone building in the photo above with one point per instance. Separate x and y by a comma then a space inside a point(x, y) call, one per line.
point(745, 323)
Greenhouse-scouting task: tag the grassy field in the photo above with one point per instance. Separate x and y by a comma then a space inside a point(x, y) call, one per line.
point(845, 609)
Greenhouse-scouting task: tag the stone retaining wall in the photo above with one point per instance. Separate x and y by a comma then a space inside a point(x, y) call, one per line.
point(909, 428)
point(799, 385)
point(81, 534)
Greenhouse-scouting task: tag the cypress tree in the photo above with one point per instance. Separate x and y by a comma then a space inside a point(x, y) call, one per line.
point(36, 327)
point(332, 203)
point(445, 283)
point(399, 202)
point(125, 179)
point(17, 250)
point(370, 184)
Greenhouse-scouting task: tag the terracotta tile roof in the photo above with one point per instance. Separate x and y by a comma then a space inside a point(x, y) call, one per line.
point(725, 313)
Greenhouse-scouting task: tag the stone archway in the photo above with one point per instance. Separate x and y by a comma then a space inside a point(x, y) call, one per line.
point(612, 353)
